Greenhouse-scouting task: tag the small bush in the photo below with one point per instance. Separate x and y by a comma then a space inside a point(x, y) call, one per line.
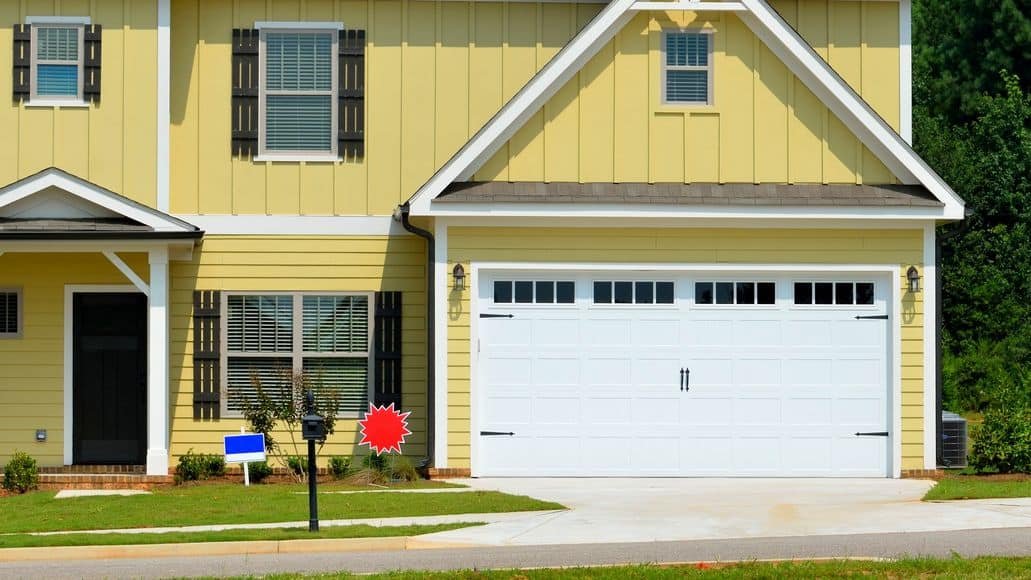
point(1003, 442)
point(339, 466)
point(198, 466)
point(400, 468)
point(373, 461)
point(298, 465)
point(259, 471)
point(21, 473)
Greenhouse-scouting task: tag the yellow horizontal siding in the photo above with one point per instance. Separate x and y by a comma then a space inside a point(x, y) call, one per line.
point(113, 143)
point(437, 71)
point(595, 245)
point(32, 366)
point(298, 263)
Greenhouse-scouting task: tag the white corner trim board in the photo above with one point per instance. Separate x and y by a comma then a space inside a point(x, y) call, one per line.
point(906, 70)
point(889, 147)
point(164, 119)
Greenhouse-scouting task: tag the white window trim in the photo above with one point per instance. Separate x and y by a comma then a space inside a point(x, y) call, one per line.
point(264, 154)
point(297, 355)
point(20, 298)
point(35, 100)
point(710, 97)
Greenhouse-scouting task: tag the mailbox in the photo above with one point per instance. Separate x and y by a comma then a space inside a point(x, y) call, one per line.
point(313, 427)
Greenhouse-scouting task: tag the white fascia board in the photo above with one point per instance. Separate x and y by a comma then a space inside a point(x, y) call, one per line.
point(57, 20)
point(692, 6)
point(94, 194)
point(283, 225)
point(818, 76)
point(585, 210)
point(294, 25)
point(562, 67)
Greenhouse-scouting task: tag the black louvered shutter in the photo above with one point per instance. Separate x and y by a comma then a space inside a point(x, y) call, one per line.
point(91, 63)
point(351, 113)
point(207, 312)
point(245, 92)
point(387, 339)
point(22, 62)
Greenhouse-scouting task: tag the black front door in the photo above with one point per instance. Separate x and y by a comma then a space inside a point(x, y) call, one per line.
point(109, 378)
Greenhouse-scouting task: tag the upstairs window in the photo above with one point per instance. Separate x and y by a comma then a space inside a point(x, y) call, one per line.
point(298, 100)
point(57, 70)
point(687, 68)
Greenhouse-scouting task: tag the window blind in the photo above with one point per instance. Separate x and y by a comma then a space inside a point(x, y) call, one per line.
point(687, 49)
point(57, 43)
point(346, 378)
point(260, 324)
point(245, 375)
point(336, 323)
point(687, 67)
point(57, 61)
point(299, 86)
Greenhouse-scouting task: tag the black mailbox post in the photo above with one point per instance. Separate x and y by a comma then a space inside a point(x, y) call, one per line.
point(313, 428)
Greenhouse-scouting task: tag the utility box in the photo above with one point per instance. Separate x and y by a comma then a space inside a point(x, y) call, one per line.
point(954, 440)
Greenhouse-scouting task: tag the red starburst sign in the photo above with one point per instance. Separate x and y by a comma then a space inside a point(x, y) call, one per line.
point(384, 429)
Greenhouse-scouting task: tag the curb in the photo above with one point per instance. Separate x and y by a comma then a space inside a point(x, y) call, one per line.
point(249, 548)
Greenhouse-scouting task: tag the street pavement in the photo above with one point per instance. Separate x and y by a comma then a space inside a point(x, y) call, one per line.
point(967, 543)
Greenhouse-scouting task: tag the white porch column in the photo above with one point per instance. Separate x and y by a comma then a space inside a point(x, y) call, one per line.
point(157, 365)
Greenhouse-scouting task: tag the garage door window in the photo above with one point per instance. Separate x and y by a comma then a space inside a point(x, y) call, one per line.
point(639, 292)
point(534, 292)
point(845, 293)
point(736, 293)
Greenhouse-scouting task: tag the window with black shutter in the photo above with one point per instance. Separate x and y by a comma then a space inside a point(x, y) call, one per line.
point(57, 61)
point(10, 313)
point(207, 332)
point(387, 375)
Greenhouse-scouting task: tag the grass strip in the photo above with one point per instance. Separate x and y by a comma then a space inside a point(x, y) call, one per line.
point(973, 488)
point(236, 504)
point(336, 532)
point(951, 569)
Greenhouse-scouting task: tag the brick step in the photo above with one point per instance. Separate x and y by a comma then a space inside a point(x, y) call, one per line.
point(95, 469)
point(101, 481)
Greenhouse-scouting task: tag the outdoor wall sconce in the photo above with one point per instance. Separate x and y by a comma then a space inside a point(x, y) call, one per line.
point(41, 435)
point(914, 279)
point(459, 274)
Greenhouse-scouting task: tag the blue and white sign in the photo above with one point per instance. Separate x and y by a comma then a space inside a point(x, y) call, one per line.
point(245, 447)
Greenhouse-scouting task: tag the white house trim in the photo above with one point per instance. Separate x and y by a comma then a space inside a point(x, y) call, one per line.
point(894, 337)
point(157, 364)
point(890, 148)
point(293, 25)
point(58, 20)
point(626, 210)
point(296, 225)
point(930, 288)
point(94, 194)
point(69, 357)
point(440, 321)
point(692, 6)
point(526, 102)
point(906, 70)
point(127, 272)
point(164, 112)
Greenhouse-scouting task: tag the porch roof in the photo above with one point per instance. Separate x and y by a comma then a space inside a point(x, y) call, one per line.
point(85, 229)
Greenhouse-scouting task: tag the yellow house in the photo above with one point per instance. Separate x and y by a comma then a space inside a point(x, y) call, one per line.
point(623, 238)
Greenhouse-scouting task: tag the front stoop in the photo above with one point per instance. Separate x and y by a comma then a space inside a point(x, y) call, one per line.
point(449, 473)
point(100, 477)
point(923, 473)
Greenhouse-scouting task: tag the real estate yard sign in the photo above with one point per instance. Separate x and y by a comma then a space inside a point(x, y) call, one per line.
point(244, 448)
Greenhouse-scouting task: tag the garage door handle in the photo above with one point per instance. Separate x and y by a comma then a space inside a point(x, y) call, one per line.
point(874, 317)
point(685, 380)
point(873, 434)
point(497, 316)
point(495, 433)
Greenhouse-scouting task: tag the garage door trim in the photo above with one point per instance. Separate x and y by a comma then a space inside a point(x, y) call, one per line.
point(894, 339)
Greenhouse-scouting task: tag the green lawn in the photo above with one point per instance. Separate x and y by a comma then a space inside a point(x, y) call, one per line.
point(975, 569)
point(27, 541)
point(235, 504)
point(972, 487)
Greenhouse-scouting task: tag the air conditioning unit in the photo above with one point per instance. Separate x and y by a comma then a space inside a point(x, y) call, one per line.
point(954, 440)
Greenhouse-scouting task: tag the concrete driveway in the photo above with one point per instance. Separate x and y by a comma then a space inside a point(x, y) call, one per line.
point(649, 510)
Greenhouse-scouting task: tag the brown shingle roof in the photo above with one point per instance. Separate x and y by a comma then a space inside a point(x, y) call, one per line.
point(739, 194)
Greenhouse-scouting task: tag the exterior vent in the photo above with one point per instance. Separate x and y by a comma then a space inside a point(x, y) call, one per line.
point(954, 440)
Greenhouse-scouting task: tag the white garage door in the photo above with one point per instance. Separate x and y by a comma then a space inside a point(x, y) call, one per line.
point(702, 374)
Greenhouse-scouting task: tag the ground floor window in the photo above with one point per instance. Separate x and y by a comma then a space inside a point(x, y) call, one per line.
point(274, 339)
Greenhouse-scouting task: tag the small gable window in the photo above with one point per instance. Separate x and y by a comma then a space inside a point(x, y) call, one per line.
point(10, 313)
point(687, 67)
point(57, 61)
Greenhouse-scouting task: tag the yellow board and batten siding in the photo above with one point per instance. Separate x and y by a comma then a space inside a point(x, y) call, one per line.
point(32, 366)
point(298, 264)
point(113, 143)
point(469, 245)
point(437, 71)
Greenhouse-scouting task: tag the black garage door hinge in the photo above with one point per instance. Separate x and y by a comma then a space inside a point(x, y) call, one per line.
point(874, 317)
point(497, 316)
point(496, 433)
point(873, 434)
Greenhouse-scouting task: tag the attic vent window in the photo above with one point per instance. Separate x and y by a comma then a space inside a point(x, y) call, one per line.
point(687, 68)
point(10, 313)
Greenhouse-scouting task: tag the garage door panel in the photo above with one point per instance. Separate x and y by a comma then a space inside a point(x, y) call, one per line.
point(595, 389)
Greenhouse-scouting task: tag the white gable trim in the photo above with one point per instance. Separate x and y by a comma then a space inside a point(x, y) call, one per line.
point(94, 194)
point(890, 148)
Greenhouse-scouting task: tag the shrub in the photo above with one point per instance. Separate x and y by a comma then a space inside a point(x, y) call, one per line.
point(400, 468)
point(298, 465)
point(1003, 442)
point(373, 461)
point(339, 466)
point(21, 473)
point(198, 466)
point(259, 471)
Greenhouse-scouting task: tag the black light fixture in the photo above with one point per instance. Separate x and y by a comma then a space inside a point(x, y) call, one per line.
point(914, 279)
point(459, 274)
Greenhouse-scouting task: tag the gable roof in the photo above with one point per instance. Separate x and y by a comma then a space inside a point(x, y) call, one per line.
point(886, 144)
point(55, 203)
